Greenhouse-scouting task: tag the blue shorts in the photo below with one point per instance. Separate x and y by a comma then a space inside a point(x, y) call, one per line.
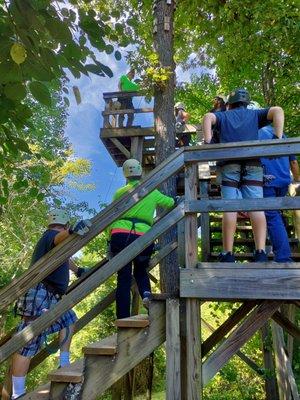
point(33, 304)
point(248, 181)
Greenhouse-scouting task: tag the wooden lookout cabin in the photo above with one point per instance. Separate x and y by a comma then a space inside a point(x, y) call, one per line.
point(266, 293)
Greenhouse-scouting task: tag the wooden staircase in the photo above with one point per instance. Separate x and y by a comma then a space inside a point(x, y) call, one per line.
point(107, 360)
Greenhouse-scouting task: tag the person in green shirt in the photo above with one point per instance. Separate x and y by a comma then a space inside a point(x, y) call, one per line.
point(126, 84)
point(134, 223)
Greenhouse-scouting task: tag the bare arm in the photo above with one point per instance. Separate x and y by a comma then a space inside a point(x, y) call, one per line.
point(61, 236)
point(208, 121)
point(276, 115)
point(295, 170)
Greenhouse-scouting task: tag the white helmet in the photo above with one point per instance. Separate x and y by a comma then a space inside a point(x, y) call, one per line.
point(180, 106)
point(58, 216)
point(253, 105)
point(131, 168)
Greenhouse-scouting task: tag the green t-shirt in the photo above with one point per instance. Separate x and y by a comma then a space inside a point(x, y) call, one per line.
point(127, 85)
point(144, 209)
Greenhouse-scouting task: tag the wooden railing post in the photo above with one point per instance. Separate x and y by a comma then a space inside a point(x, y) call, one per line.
point(193, 373)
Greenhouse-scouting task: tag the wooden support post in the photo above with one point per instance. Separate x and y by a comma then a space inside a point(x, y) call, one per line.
point(136, 150)
point(286, 381)
point(106, 123)
point(173, 391)
point(270, 378)
point(193, 388)
point(205, 228)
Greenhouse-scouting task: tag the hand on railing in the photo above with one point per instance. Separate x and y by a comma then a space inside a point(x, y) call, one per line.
point(81, 227)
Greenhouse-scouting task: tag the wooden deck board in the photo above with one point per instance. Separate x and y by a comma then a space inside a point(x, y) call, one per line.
point(41, 393)
point(72, 374)
point(136, 321)
point(105, 347)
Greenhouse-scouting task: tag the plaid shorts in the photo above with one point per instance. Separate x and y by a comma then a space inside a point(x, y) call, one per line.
point(33, 304)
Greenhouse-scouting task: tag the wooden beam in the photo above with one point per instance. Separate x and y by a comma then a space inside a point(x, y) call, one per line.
point(111, 95)
point(205, 225)
point(47, 264)
point(90, 284)
point(241, 282)
point(238, 338)
point(242, 150)
point(227, 326)
point(285, 376)
point(193, 389)
point(240, 354)
point(136, 149)
point(129, 111)
point(286, 324)
point(173, 390)
point(126, 132)
point(270, 203)
point(270, 377)
point(121, 147)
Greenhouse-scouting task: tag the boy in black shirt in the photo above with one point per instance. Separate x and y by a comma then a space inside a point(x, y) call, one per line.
point(44, 296)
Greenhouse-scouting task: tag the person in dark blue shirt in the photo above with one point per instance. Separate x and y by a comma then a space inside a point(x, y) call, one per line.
point(242, 179)
point(44, 296)
point(278, 169)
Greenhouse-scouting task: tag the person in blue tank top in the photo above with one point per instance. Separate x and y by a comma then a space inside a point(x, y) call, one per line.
point(242, 179)
point(44, 296)
point(278, 170)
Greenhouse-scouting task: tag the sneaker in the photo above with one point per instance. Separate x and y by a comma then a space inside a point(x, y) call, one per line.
point(146, 299)
point(226, 257)
point(260, 256)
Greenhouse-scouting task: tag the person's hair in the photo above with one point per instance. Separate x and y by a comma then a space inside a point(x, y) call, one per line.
point(238, 104)
point(131, 71)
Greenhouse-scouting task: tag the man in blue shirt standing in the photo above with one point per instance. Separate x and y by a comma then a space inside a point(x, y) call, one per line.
point(278, 169)
point(242, 179)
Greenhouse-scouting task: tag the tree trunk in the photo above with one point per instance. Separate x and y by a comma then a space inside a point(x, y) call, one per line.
point(163, 12)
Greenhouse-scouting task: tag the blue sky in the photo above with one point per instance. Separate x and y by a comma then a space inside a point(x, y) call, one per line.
point(83, 127)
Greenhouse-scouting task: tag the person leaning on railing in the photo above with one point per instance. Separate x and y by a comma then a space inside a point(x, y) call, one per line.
point(44, 296)
point(126, 84)
point(242, 179)
point(124, 231)
point(277, 174)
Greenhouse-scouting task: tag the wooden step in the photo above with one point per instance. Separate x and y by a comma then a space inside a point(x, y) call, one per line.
point(295, 256)
point(71, 374)
point(216, 241)
point(105, 347)
point(137, 321)
point(41, 393)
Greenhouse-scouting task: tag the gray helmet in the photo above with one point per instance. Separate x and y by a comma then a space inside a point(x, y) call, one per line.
point(239, 96)
point(132, 167)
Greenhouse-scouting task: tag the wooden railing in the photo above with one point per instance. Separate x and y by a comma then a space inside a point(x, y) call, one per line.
point(188, 157)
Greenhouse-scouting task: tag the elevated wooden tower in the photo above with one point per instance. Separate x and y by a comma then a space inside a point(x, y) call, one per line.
point(262, 290)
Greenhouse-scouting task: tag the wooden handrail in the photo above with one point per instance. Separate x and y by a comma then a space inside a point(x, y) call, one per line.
point(129, 111)
point(241, 150)
point(270, 203)
point(112, 95)
point(47, 264)
point(94, 281)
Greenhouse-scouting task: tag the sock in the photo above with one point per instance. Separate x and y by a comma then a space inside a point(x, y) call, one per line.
point(64, 358)
point(18, 386)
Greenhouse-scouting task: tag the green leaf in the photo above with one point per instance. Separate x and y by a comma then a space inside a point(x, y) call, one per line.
point(40, 92)
point(118, 55)
point(15, 91)
point(33, 192)
point(66, 101)
point(5, 187)
point(105, 69)
point(109, 49)
point(3, 200)
point(40, 197)
point(22, 145)
point(95, 69)
point(59, 30)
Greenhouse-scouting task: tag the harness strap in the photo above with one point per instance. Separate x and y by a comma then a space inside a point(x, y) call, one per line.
point(251, 182)
point(234, 184)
